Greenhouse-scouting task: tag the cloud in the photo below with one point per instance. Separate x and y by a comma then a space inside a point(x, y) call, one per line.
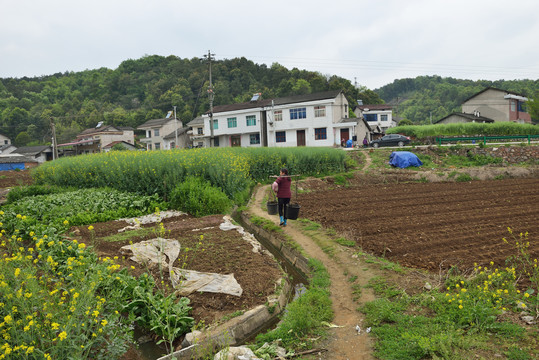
point(373, 42)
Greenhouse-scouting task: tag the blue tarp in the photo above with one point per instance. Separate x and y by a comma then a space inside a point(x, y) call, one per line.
point(349, 143)
point(403, 159)
point(11, 166)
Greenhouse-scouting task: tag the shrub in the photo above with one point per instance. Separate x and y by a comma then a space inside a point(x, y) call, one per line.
point(199, 198)
point(33, 190)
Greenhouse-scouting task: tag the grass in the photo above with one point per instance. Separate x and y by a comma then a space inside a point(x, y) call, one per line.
point(303, 322)
point(466, 317)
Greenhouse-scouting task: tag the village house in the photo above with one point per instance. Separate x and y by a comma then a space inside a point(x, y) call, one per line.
point(40, 153)
point(95, 139)
point(380, 115)
point(491, 105)
point(4, 140)
point(196, 132)
point(319, 119)
point(165, 134)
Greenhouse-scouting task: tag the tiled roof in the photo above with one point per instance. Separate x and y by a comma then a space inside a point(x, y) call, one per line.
point(493, 88)
point(32, 150)
point(470, 117)
point(107, 128)
point(172, 135)
point(199, 120)
point(154, 123)
point(277, 101)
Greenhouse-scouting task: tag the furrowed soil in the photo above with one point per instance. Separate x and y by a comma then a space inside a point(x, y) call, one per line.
point(431, 226)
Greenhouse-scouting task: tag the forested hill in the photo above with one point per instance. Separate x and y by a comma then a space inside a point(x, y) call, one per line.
point(144, 89)
point(423, 97)
point(147, 88)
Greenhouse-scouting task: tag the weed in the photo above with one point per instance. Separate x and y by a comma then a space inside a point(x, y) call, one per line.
point(464, 178)
point(344, 242)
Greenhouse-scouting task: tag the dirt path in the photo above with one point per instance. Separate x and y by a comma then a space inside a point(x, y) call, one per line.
point(344, 342)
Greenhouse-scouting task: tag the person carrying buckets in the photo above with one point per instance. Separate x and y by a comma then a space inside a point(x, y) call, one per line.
point(282, 187)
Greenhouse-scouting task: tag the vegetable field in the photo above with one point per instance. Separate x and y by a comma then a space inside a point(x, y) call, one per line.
point(433, 225)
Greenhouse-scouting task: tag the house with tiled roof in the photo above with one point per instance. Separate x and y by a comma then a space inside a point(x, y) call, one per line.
point(40, 153)
point(319, 119)
point(163, 134)
point(464, 118)
point(498, 105)
point(4, 140)
point(95, 139)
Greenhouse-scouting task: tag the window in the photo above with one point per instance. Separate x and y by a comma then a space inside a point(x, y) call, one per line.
point(254, 139)
point(280, 136)
point(156, 132)
point(251, 120)
point(383, 117)
point(320, 134)
point(216, 142)
point(215, 124)
point(278, 114)
point(319, 111)
point(521, 106)
point(199, 131)
point(6, 142)
point(157, 146)
point(299, 113)
point(371, 117)
point(232, 123)
point(172, 145)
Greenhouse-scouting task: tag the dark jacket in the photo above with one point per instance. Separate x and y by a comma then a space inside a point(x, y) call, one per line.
point(284, 187)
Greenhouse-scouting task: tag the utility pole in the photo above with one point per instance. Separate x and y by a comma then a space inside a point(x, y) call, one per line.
point(54, 146)
point(176, 124)
point(210, 94)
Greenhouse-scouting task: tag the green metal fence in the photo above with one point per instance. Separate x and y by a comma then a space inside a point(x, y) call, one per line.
point(485, 139)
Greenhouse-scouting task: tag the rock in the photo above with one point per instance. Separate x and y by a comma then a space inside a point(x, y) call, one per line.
point(530, 320)
point(428, 286)
point(191, 338)
point(236, 353)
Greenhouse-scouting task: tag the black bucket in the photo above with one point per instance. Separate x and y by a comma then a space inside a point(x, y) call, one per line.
point(292, 211)
point(273, 207)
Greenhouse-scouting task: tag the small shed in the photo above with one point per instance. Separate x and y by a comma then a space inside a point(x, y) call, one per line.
point(16, 161)
point(40, 153)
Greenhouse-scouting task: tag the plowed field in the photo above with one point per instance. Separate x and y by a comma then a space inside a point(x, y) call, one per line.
point(431, 225)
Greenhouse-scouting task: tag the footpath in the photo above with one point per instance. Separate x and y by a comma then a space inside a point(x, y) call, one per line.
point(344, 341)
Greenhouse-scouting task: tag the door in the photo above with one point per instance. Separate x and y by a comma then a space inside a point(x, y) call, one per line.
point(345, 135)
point(235, 140)
point(300, 137)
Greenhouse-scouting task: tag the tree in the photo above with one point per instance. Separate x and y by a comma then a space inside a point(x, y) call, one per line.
point(533, 108)
point(22, 139)
point(405, 122)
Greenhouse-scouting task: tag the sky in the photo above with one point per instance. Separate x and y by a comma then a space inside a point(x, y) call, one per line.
point(369, 42)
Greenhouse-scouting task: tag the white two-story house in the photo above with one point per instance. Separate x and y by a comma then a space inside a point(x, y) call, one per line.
point(165, 134)
point(380, 115)
point(319, 119)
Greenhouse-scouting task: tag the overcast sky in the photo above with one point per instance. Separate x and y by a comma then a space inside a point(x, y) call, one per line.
point(371, 42)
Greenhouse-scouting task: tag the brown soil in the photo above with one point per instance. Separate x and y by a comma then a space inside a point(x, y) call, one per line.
point(430, 226)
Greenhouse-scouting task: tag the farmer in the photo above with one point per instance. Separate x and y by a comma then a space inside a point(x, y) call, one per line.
point(365, 141)
point(283, 194)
